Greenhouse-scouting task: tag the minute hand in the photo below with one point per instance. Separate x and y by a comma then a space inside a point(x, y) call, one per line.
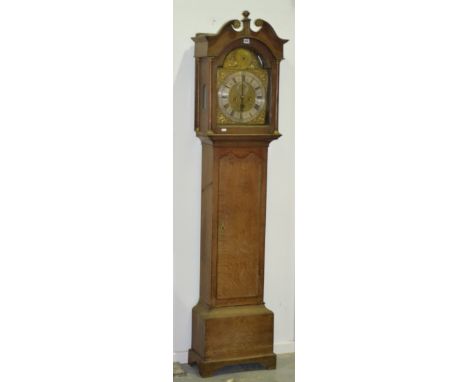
point(242, 93)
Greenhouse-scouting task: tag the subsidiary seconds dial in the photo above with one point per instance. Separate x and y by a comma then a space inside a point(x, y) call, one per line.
point(241, 96)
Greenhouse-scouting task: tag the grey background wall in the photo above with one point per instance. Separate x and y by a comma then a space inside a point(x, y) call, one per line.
point(190, 17)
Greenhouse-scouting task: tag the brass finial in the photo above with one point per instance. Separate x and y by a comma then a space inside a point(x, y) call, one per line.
point(246, 22)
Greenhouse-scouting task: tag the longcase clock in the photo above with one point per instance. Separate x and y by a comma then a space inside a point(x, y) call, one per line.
point(236, 118)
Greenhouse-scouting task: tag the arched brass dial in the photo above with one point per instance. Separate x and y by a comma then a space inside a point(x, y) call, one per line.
point(241, 96)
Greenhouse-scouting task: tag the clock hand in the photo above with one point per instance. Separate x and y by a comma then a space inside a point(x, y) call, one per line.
point(242, 94)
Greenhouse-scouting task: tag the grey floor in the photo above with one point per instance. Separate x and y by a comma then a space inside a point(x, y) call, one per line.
point(284, 372)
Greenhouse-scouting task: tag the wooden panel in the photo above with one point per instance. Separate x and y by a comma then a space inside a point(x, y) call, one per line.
point(203, 94)
point(240, 336)
point(206, 223)
point(231, 335)
point(240, 226)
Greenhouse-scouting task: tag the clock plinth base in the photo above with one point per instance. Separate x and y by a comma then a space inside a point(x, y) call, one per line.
point(208, 368)
point(236, 335)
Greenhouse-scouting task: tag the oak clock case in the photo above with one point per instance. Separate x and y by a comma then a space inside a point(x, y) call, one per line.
point(236, 118)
